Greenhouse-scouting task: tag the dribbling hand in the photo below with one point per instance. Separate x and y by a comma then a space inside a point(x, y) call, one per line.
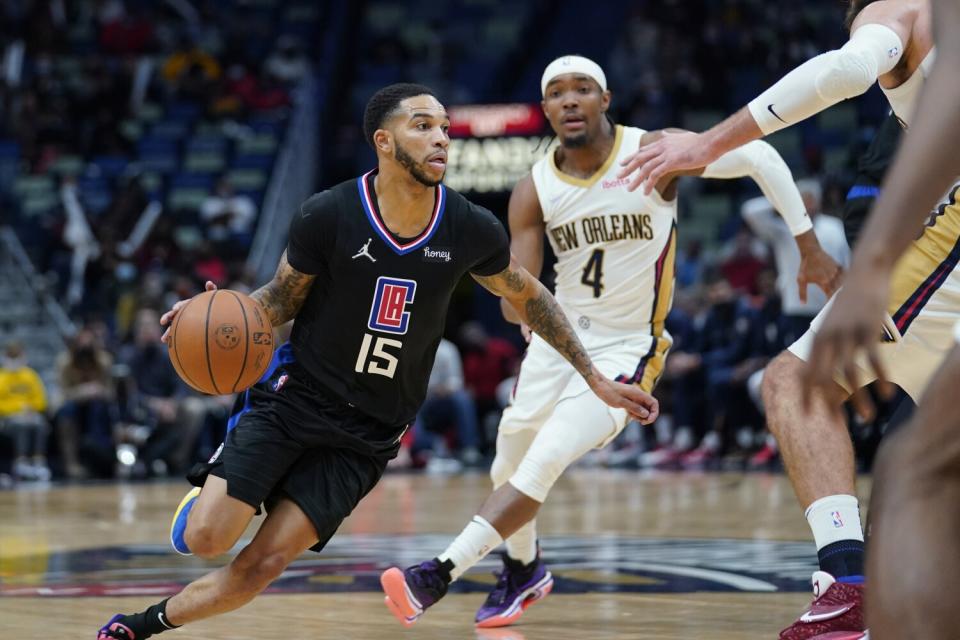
point(166, 320)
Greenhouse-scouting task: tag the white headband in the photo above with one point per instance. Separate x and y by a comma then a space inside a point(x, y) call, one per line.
point(572, 64)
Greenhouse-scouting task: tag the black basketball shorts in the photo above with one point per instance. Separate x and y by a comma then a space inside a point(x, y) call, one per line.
point(293, 441)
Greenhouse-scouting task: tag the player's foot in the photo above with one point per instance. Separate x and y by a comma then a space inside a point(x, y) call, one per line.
point(837, 608)
point(409, 592)
point(763, 458)
point(179, 525)
point(115, 630)
point(518, 587)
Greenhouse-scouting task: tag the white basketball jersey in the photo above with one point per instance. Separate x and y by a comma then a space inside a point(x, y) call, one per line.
point(615, 248)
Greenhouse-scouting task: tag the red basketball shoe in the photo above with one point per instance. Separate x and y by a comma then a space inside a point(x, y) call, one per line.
point(837, 608)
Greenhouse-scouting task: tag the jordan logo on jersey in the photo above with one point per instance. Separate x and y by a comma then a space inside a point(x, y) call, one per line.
point(390, 301)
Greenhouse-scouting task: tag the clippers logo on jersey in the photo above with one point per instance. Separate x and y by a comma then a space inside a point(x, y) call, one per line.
point(837, 520)
point(390, 300)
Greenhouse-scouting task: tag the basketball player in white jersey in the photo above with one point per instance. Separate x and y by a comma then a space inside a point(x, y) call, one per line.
point(913, 559)
point(614, 280)
point(891, 43)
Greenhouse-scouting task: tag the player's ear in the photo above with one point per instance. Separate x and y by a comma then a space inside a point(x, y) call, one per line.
point(605, 98)
point(383, 140)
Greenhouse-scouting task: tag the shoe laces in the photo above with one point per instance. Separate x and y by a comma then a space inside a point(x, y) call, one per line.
point(506, 578)
point(426, 575)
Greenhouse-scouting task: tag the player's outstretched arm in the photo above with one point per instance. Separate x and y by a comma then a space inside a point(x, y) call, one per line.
point(875, 47)
point(537, 308)
point(526, 235)
point(760, 162)
point(283, 296)
point(923, 169)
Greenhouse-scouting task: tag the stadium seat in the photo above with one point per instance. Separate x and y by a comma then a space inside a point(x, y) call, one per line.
point(186, 198)
point(205, 162)
point(247, 179)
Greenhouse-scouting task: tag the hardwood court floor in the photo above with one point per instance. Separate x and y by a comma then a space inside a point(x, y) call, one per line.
point(653, 556)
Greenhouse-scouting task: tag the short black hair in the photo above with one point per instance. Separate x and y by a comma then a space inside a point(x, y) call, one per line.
point(385, 101)
point(854, 7)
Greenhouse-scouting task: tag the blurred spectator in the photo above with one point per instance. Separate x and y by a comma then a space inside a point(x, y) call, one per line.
point(229, 216)
point(23, 403)
point(689, 264)
point(727, 357)
point(190, 72)
point(770, 227)
point(447, 405)
point(288, 63)
point(741, 263)
point(486, 362)
point(156, 398)
point(260, 91)
point(84, 423)
point(207, 265)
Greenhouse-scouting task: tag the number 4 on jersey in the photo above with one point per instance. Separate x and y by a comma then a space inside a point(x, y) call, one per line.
point(593, 272)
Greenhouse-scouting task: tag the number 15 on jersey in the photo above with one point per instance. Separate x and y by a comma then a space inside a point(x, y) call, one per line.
point(380, 361)
point(388, 314)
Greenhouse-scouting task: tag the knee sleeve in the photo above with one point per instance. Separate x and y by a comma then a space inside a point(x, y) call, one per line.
point(577, 425)
point(511, 447)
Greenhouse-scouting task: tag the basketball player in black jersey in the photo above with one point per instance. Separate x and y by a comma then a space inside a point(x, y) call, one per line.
point(367, 277)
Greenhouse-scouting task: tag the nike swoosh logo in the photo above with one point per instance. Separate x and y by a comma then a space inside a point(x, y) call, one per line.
point(819, 617)
point(770, 109)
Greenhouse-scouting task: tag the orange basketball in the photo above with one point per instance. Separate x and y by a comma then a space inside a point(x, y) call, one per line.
point(221, 342)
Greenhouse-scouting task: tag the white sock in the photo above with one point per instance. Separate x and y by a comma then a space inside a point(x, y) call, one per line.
point(522, 545)
point(835, 518)
point(476, 540)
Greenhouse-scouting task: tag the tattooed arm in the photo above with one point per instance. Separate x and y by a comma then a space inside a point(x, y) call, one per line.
point(537, 308)
point(283, 296)
point(280, 298)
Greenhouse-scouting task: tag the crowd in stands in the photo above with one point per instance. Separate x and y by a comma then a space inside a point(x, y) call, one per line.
point(136, 139)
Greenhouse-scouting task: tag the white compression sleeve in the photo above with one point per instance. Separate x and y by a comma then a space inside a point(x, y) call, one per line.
point(873, 50)
point(764, 165)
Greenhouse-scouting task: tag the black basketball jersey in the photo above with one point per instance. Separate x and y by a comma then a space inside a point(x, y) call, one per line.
point(370, 326)
point(871, 169)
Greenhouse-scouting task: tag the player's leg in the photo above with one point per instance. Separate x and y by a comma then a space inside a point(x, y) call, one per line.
point(914, 556)
point(523, 578)
point(577, 425)
point(321, 488)
point(285, 534)
point(216, 520)
point(818, 455)
point(255, 455)
point(511, 447)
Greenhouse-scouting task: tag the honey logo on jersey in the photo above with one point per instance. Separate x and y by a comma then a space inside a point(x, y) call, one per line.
point(437, 254)
point(390, 299)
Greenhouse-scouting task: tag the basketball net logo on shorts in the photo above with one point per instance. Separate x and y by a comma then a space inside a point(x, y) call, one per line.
point(390, 300)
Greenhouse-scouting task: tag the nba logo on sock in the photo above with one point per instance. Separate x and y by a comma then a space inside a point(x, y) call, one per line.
point(837, 520)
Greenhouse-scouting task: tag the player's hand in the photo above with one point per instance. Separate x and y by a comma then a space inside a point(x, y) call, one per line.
point(853, 325)
point(674, 151)
point(641, 406)
point(526, 332)
point(166, 320)
point(817, 267)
